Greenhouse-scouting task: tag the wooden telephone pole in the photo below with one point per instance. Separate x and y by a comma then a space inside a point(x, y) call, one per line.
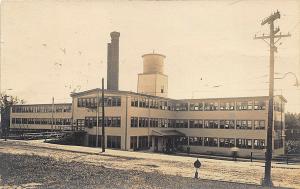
point(272, 36)
point(103, 126)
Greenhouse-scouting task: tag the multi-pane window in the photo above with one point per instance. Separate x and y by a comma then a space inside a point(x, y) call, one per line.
point(244, 143)
point(227, 124)
point(142, 102)
point(244, 105)
point(134, 102)
point(143, 122)
point(181, 123)
point(114, 142)
point(134, 121)
point(211, 106)
point(143, 142)
point(226, 142)
point(195, 141)
point(133, 142)
point(259, 105)
point(212, 124)
point(226, 106)
point(154, 122)
point(196, 123)
point(196, 106)
point(80, 122)
point(259, 143)
point(209, 141)
point(181, 106)
point(243, 124)
point(163, 105)
point(182, 141)
point(259, 124)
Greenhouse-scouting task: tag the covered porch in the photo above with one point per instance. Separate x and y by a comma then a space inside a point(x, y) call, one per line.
point(165, 140)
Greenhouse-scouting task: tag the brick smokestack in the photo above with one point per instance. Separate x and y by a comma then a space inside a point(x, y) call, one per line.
point(113, 62)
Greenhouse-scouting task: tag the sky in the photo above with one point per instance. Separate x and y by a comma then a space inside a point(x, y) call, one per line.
point(51, 48)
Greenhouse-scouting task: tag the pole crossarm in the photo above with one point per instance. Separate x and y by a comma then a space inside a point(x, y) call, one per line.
point(271, 18)
point(275, 36)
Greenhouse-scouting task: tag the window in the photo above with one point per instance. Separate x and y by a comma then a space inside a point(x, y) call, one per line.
point(24, 120)
point(181, 107)
point(114, 142)
point(134, 102)
point(208, 141)
point(242, 105)
point(134, 122)
point(142, 102)
point(182, 141)
point(196, 124)
point(18, 120)
point(195, 141)
point(181, 123)
point(226, 106)
point(92, 140)
point(143, 122)
point(244, 143)
point(259, 143)
point(116, 122)
point(196, 106)
point(143, 142)
point(133, 142)
point(227, 124)
point(243, 124)
point(226, 142)
point(80, 122)
point(212, 124)
point(259, 105)
point(259, 124)
point(211, 106)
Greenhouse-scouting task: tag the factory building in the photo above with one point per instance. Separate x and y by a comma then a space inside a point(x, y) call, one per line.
point(149, 120)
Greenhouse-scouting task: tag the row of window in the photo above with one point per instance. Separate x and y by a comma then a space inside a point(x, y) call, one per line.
point(222, 142)
point(42, 121)
point(42, 108)
point(108, 121)
point(92, 102)
point(200, 106)
point(184, 123)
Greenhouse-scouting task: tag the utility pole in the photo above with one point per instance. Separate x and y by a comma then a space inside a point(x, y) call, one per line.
point(268, 156)
point(97, 117)
point(103, 126)
point(52, 114)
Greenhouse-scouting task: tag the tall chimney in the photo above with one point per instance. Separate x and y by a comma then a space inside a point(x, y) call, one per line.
point(113, 62)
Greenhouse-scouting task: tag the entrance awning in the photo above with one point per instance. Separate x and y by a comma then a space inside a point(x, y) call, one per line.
point(166, 133)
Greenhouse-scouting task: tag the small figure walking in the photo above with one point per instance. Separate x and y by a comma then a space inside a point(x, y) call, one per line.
point(197, 165)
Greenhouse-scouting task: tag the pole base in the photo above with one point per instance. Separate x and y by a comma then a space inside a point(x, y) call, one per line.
point(266, 182)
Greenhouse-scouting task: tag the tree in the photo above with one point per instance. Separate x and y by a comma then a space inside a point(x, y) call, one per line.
point(6, 103)
point(292, 122)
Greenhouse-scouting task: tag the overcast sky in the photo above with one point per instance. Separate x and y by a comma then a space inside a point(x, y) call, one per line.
point(51, 48)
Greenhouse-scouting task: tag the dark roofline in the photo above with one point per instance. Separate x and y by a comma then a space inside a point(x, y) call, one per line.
point(152, 96)
point(117, 92)
point(42, 104)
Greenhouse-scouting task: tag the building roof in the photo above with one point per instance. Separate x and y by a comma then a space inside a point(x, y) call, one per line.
point(152, 96)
